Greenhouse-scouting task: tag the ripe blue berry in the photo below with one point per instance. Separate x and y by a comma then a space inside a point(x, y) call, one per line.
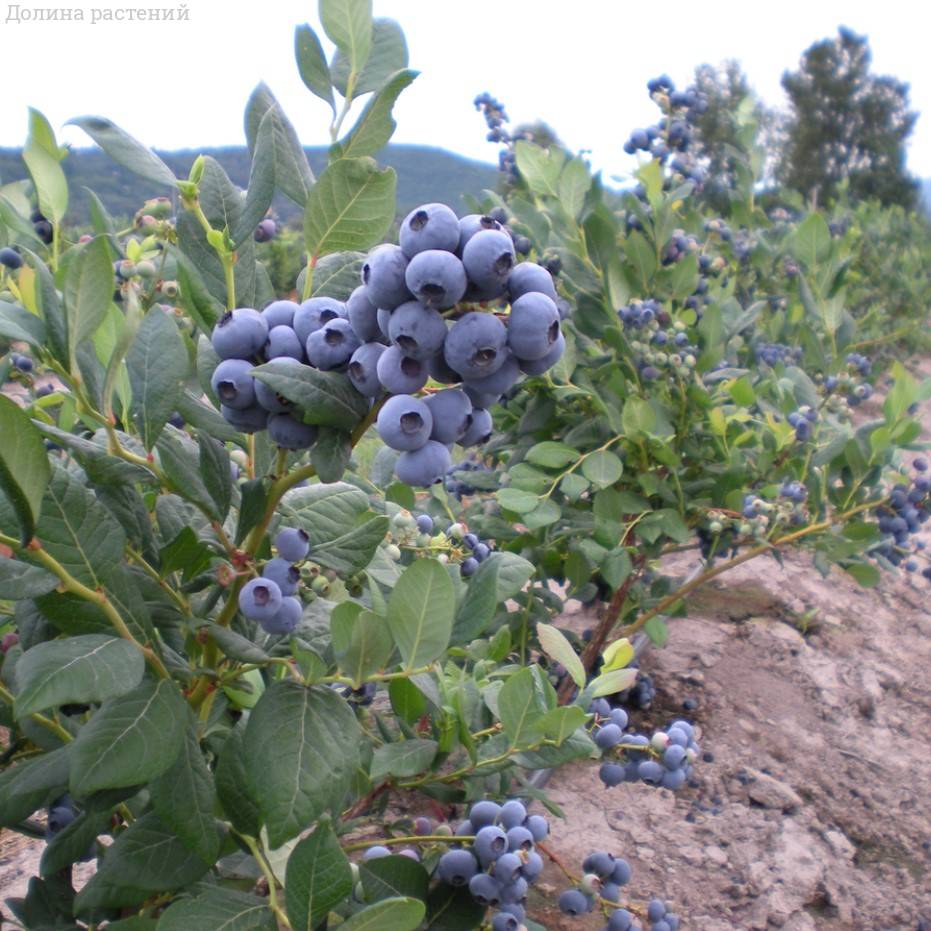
point(484, 813)
point(608, 736)
point(456, 867)
point(314, 313)
point(374, 853)
point(398, 374)
point(287, 617)
point(533, 866)
point(249, 420)
point(488, 258)
point(233, 385)
point(507, 867)
point(651, 772)
point(600, 863)
point(480, 429)
point(533, 326)
point(283, 574)
point(620, 920)
point(292, 544)
point(404, 423)
point(527, 277)
point(538, 826)
point(475, 346)
point(656, 909)
point(611, 774)
point(512, 813)
point(490, 843)
point(519, 838)
point(495, 384)
point(473, 223)
point(260, 599)
point(502, 921)
point(279, 313)
point(332, 345)
point(383, 277)
point(485, 889)
point(621, 873)
point(574, 902)
point(363, 315)
point(425, 523)
point(363, 369)
point(425, 466)
point(288, 432)
point(539, 366)
point(240, 334)
point(10, 258)
point(430, 226)
point(416, 330)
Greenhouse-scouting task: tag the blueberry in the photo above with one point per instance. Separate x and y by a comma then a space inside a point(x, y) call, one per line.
point(507, 867)
point(233, 384)
point(601, 707)
point(43, 229)
point(363, 315)
point(533, 866)
point(314, 314)
point(383, 319)
point(479, 398)
point(673, 779)
point(441, 372)
point(270, 400)
point(480, 551)
point(519, 838)
point(920, 464)
point(437, 279)
point(265, 230)
point(283, 574)
point(651, 772)
point(60, 814)
point(425, 466)
point(515, 892)
point(363, 369)
point(621, 873)
point(490, 843)
point(288, 432)
point(430, 226)
point(574, 902)
point(456, 867)
point(287, 617)
point(488, 258)
point(383, 277)
point(473, 223)
point(332, 345)
point(620, 920)
point(250, 420)
point(611, 774)
point(498, 382)
point(674, 756)
point(240, 334)
point(619, 717)
point(466, 829)
point(538, 826)
point(404, 423)
point(418, 331)
point(283, 343)
point(539, 366)
point(485, 889)
point(527, 278)
point(279, 313)
point(23, 363)
point(475, 346)
point(678, 736)
point(260, 599)
point(468, 566)
point(611, 892)
point(425, 523)
point(533, 326)
point(399, 374)
point(484, 813)
point(656, 909)
point(515, 909)
point(512, 814)
point(480, 429)
point(600, 863)
point(292, 544)
point(10, 258)
point(502, 921)
point(376, 852)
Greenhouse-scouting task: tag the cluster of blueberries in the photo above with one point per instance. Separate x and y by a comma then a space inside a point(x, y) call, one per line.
point(902, 517)
point(21, 363)
point(802, 420)
point(421, 532)
point(658, 344)
point(670, 139)
point(501, 862)
point(772, 354)
point(455, 484)
point(849, 388)
point(664, 760)
point(495, 118)
point(430, 307)
point(272, 599)
point(604, 876)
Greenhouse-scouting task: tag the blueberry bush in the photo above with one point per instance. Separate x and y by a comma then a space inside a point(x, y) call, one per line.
point(270, 657)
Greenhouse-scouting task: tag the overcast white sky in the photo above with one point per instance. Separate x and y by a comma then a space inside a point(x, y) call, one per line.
point(579, 64)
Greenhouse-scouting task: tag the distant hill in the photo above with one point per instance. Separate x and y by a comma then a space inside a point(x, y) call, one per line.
point(425, 174)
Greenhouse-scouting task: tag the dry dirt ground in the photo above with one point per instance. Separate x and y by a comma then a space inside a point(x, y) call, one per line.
point(814, 813)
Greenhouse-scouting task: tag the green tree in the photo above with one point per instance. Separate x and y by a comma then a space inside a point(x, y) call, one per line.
point(847, 124)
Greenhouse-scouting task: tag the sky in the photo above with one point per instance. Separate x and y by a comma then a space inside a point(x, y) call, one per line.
point(582, 66)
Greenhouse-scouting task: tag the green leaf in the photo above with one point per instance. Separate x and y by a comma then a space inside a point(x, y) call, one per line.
point(811, 241)
point(261, 187)
point(184, 797)
point(253, 501)
point(312, 66)
point(348, 25)
point(404, 758)
point(125, 150)
point(656, 629)
point(398, 914)
point(520, 706)
point(144, 859)
point(557, 647)
point(24, 466)
point(129, 740)
point(336, 275)
point(513, 499)
point(18, 324)
point(79, 670)
point(866, 574)
point(611, 682)
point(218, 909)
point(387, 877)
point(574, 182)
point(638, 417)
point(88, 291)
point(45, 169)
point(29, 784)
point(233, 789)
point(158, 364)
point(684, 277)
point(195, 298)
point(314, 739)
point(20, 581)
point(215, 473)
point(350, 208)
point(344, 532)
point(370, 645)
point(318, 878)
point(540, 167)
point(407, 700)
point(327, 398)
point(560, 723)
point(179, 458)
point(602, 468)
point(100, 466)
point(375, 125)
point(74, 841)
point(388, 55)
point(552, 455)
point(420, 612)
point(643, 258)
point(330, 454)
